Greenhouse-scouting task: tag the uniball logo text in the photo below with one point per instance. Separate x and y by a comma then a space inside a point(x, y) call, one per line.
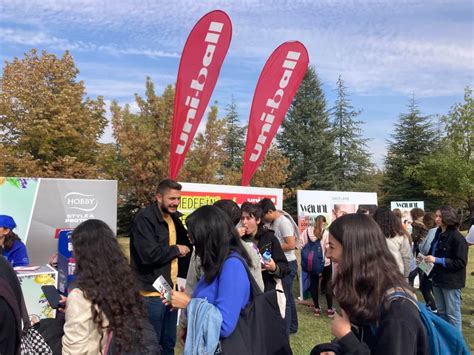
point(274, 103)
point(193, 102)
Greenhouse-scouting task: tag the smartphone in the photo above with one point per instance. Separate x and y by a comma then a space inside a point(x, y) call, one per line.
point(52, 296)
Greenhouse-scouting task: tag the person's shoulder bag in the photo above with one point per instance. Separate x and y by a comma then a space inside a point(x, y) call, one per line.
point(260, 328)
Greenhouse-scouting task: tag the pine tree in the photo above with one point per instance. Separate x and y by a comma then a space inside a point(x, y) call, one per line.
point(233, 143)
point(307, 140)
point(414, 139)
point(353, 163)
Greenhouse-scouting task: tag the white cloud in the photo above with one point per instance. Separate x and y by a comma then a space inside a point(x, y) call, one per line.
point(34, 38)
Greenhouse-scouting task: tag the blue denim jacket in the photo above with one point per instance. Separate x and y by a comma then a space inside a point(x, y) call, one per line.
point(425, 245)
point(204, 327)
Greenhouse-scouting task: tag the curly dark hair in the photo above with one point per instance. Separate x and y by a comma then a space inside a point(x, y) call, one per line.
point(358, 285)
point(389, 223)
point(107, 281)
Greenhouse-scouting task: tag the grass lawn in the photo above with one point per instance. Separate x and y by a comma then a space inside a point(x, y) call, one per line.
point(314, 330)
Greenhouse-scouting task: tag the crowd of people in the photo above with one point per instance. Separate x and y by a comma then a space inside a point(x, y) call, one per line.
point(224, 251)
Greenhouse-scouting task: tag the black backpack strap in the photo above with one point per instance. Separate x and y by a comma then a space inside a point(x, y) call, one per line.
point(395, 293)
point(24, 313)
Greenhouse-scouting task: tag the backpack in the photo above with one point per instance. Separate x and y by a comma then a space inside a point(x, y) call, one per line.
point(260, 328)
point(443, 337)
point(312, 259)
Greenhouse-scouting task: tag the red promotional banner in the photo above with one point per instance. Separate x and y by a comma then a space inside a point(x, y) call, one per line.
point(280, 78)
point(201, 61)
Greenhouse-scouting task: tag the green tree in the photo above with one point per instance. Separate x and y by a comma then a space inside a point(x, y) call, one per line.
point(48, 127)
point(142, 150)
point(233, 143)
point(206, 157)
point(413, 139)
point(307, 140)
point(449, 172)
point(353, 165)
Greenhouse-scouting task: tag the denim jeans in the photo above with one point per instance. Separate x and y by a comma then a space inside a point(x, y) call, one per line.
point(448, 302)
point(164, 321)
point(291, 316)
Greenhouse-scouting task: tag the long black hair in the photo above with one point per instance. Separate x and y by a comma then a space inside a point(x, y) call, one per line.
point(105, 278)
point(367, 268)
point(214, 238)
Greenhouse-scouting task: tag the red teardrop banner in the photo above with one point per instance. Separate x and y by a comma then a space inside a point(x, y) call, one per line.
point(277, 85)
point(201, 61)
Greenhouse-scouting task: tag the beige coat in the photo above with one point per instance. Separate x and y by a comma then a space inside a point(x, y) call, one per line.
point(81, 335)
point(400, 248)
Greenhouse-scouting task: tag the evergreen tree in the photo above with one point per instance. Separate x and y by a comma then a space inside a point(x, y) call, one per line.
point(233, 143)
point(414, 139)
point(307, 140)
point(353, 164)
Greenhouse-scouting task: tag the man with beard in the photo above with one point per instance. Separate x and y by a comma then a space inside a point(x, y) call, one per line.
point(159, 246)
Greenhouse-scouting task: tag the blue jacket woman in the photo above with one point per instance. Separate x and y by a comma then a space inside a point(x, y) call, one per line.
point(13, 248)
point(225, 283)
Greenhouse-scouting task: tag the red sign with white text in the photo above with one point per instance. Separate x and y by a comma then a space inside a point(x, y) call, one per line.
point(280, 78)
point(201, 61)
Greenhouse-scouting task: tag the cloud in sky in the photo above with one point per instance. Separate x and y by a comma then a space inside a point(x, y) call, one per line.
point(381, 48)
point(370, 43)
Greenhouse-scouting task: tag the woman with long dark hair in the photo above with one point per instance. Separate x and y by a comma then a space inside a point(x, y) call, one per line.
point(14, 250)
point(396, 237)
point(367, 273)
point(225, 282)
point(106, 300)
point(448, 252)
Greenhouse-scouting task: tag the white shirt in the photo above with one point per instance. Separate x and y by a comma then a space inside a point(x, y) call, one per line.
point(283, 228)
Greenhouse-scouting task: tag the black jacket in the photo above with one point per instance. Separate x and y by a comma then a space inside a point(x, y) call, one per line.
point(150, 252)
point(400, 330)
point(452, 246)
point(10, 309)
point(266, 239)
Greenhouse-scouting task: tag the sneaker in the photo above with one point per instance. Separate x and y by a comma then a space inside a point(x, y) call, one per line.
point(317, 311)
point(331, 312)
point(432, 308)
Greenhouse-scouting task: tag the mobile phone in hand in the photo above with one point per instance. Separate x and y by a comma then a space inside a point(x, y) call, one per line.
point(52, 296)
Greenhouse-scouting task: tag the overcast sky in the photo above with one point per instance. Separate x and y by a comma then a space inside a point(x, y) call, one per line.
point(386, 51)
